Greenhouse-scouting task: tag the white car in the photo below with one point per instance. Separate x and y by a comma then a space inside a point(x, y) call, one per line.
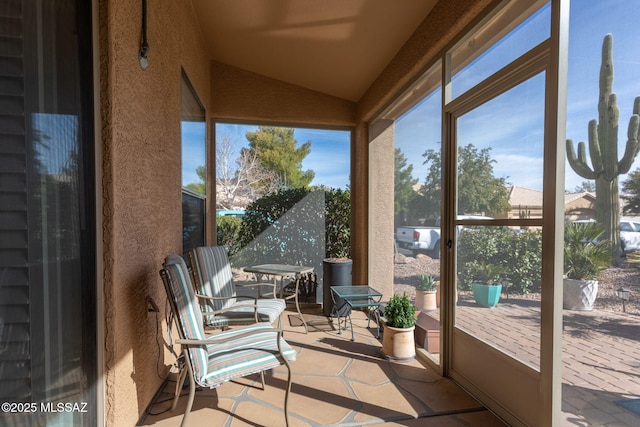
point(630, 235)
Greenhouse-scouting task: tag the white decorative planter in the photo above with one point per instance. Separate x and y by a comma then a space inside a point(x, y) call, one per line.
point(579, 294)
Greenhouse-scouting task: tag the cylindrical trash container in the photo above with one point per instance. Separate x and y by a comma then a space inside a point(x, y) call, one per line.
point(335, 272)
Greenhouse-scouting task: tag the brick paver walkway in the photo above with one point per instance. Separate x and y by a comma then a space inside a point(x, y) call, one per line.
point(601, 355)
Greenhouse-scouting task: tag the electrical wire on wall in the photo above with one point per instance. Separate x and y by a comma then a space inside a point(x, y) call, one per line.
point(144, 46)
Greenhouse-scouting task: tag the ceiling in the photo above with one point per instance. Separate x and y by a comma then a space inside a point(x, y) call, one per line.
point(338, 47)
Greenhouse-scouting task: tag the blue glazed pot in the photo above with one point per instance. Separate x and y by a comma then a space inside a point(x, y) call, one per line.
point(485, 295)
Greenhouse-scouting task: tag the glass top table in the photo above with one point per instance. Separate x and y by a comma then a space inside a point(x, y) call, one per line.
point(355, 297)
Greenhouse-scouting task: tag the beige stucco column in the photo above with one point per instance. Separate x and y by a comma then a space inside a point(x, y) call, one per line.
point(381, 193)
point(360, 204)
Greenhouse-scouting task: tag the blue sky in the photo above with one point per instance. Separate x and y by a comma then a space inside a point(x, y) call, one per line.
point(329, 157)
point(512, 126)
point(193, 150)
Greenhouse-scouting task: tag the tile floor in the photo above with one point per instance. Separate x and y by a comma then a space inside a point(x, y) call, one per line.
point(336, 382)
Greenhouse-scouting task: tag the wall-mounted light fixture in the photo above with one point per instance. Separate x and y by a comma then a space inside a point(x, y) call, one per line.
point(144, 46)
point(623, 294)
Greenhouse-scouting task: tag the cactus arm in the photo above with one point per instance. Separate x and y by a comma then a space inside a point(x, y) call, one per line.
point(632, 145)
point(594, 147)
point(579, 164)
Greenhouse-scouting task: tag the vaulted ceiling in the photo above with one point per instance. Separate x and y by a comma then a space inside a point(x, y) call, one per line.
point(337, 47)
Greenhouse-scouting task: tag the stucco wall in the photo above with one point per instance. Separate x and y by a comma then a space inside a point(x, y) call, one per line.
point(242, 95)
point(381, 188)
point(140, 113)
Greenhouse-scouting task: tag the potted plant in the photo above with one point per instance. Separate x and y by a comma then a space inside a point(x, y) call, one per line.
point(585, 255)
point(400, 318)
point(426, 293)
point(487, 284)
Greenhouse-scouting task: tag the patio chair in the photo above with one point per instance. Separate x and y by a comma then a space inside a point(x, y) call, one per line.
point(214, 359)
point(214, 285)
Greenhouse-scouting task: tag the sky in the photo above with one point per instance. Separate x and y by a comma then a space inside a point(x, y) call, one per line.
point(329, 157)
point(512, 124)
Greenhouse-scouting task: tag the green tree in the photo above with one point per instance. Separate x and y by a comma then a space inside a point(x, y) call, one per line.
point(278, 151)
point(479, 191)
point(428, 204)
point(631, 190)
point(403, 183)
point(589, 186)
point(199, 187)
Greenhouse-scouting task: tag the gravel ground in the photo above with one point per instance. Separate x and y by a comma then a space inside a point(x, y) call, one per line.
point(407, 270)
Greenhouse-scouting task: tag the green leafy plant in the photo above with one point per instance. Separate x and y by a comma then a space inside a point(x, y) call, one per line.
point(296, 225)
point(426, 283)
point(585, 252)
point(337, 211)
point(400, 313)
point(517, 254)
point(228, 232)
point(488, 273)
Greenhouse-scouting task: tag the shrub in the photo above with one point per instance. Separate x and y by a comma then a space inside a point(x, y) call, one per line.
point(338, 223)
point(585, 253)
point(517, 255)
point(296, 226)
point(399, 312)
point(228, 232)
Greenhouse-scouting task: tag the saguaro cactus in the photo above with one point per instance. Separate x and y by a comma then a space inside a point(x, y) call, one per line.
point(603, 150)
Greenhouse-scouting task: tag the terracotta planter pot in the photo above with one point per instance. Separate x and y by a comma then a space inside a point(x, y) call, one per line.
point(579, 294)
point(426, 300)
point(398, 343)
point(438, 294)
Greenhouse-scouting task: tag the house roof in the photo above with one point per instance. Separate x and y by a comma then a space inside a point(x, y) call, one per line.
point(335, 47)
point(570, 197)
point(522, 196)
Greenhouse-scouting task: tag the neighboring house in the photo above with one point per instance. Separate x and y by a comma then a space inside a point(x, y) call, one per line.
point(527, 203)
point(579, 206)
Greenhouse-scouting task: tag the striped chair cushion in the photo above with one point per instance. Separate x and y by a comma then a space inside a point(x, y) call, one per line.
point(242, 312)
point(189, 312)
point(239, 357)
point(213, 275)
point(212, 271)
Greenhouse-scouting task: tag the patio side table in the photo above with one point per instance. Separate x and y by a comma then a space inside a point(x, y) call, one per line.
point(282, 271)
point(356, 297)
